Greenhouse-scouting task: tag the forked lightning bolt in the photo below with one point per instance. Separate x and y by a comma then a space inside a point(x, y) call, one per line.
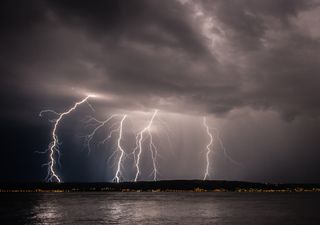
point(139, 142)
point(119, 149)
point(122, 152)
point(100, 124)
point(225, 153)
point(54, 145)
point(208, 148)
point(210, 144)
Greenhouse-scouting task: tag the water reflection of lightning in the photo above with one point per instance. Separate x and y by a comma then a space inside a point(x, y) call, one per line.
point(206, 174)
point(120, 149)
point(154, 152)
point(54, 145)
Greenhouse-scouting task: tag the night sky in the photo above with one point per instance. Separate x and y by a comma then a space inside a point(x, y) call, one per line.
point(252, 67)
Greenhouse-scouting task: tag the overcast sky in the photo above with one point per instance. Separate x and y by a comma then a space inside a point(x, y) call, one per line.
point(250, 66)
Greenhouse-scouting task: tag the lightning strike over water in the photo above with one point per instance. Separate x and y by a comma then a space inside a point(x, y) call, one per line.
point(54, 145)
point(208, 148)
point(139, 141)
point(225, 153)
point(143, 139)
point(112, 130)
point(100, 125)
point(216, 136)
point(122, 152)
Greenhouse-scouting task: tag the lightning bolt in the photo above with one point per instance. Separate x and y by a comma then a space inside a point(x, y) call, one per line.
point(154, 152)
point(208, 148)
point(53, 147)
point(100, 124)
point(206, 174)
point(119, 149)
point(225, 153)
point(122, 152)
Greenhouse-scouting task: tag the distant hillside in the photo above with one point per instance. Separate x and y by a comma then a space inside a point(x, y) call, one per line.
point(165, 185)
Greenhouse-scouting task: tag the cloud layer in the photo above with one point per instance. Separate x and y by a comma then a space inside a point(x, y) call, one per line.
point(222, 58)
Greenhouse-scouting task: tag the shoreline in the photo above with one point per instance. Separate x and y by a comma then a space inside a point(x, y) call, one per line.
point(159, 186)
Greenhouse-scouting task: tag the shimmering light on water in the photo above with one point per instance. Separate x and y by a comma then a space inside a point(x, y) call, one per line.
point(159, 208)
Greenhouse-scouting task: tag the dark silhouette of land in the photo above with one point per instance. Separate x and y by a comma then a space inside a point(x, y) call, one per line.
point(165, 185)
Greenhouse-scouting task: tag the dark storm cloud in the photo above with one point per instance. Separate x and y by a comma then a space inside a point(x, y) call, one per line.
point(151, 22)
point(195, 57)
point(281, 59)
point(63, 42)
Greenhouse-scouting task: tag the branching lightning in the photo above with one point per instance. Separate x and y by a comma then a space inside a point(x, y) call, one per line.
point(208, 148)
point(217, 137)
point(100, 124)
point(53, 147)
point(225, 153)
point(119, 129)
point(154, 152)
point(115, 127)
point(120, 149)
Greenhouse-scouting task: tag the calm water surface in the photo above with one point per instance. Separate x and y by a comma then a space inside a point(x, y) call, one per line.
point(160, 208)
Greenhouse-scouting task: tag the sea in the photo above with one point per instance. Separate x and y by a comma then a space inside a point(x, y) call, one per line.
point(160, 208)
